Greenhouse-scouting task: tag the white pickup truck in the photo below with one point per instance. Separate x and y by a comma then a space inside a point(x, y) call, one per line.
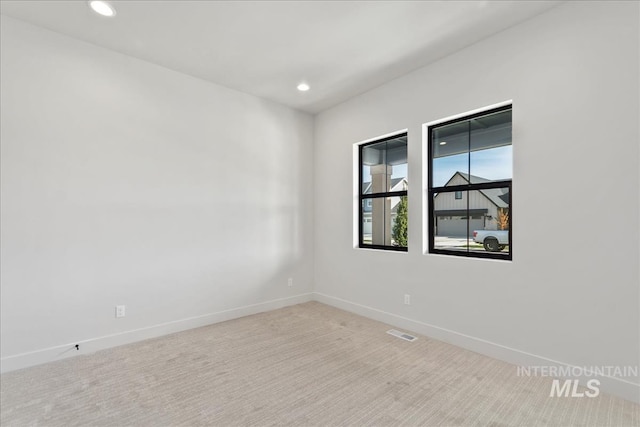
point(492, 240)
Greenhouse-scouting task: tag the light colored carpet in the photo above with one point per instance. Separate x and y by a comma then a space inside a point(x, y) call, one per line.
point(309, 364)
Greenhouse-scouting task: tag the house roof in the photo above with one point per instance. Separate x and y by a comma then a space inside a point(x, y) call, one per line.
point(497, 196)
point(394, 182)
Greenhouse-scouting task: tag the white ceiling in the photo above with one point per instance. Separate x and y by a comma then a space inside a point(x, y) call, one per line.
point(265, 48)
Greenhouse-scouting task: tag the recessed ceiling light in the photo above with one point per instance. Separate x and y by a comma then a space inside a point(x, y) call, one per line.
point(303, 87)
point(102, 7)
point(443, 142)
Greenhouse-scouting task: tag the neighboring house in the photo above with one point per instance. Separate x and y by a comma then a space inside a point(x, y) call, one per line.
point(397, 184)
point(450, 209)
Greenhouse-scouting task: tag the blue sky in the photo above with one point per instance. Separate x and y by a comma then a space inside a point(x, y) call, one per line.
point(493, 164)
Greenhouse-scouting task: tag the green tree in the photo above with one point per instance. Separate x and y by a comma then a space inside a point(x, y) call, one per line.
point(399, 233)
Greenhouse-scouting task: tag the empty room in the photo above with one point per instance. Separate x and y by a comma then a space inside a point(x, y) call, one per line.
point(320, 213)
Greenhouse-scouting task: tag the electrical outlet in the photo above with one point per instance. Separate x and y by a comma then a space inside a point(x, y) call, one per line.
point(407, 299)
point(120, 310)
point(290, 282)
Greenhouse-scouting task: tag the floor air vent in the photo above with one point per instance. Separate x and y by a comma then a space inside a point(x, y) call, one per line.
point(402, 335)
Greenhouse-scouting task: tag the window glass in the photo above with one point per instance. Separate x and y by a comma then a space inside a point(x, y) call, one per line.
point(479, 149)
point(384, 166)
point(490, 155)
point(450, 152)
point(470, 185)
point(451, 224)
point(384, 221)
point(477, 222)
point(383, 194)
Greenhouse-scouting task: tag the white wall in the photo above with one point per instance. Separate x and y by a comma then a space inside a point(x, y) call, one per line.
point(571, 294)
point(127, 183)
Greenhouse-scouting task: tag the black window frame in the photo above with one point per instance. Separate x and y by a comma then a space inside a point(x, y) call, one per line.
point(370, 196)
point(432, 191)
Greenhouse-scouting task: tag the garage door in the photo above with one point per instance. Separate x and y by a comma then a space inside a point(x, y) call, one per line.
point(451, 226)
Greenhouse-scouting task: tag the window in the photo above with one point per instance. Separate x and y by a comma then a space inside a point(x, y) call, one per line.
point(470, 172)
point(383, 194)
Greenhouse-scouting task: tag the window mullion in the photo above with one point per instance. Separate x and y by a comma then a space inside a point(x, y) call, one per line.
point(377, 163)
point(478, 143)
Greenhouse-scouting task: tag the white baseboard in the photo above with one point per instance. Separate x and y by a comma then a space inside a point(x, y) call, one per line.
point(88, 346)
point(612, 385)
point(616, 386)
